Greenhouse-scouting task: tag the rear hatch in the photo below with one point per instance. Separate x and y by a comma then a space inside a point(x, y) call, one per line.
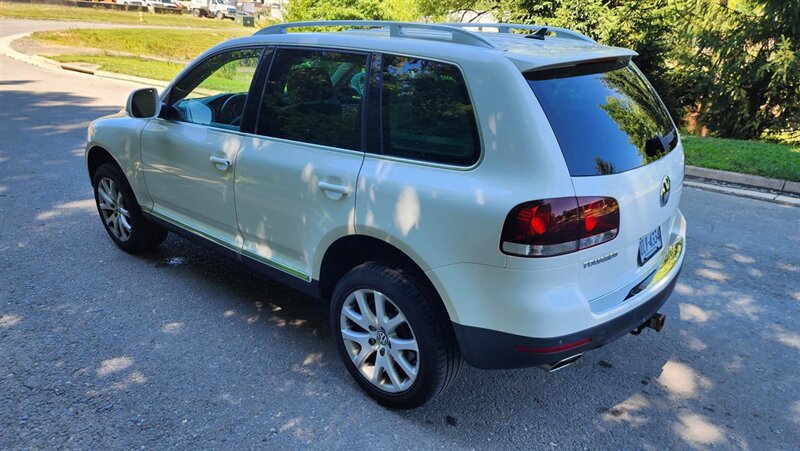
point(618, 141)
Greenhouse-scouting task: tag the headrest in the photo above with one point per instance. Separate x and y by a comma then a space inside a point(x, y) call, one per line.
point(309, 84)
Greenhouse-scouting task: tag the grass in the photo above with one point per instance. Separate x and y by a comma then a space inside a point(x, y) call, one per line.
point(57, 12)
point(156, 70)
point(780, 161)
point(232, 80)
point(165, 43)
point(178, 45)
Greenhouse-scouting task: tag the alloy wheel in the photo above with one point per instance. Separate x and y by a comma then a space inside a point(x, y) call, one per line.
point(115, 214)
point(379, 340)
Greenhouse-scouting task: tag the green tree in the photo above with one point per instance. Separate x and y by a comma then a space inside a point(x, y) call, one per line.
point(402, 10)
point(741, 67)
point(646, 26)
point(735, 64)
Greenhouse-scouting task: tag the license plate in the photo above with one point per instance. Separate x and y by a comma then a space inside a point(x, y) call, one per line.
point(649, 245)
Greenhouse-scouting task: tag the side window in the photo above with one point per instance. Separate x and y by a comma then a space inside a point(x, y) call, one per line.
point(314, 96)
point(426, 112)
point(214, 92)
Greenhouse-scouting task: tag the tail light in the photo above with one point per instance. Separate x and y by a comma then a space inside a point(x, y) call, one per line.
point(549, 227)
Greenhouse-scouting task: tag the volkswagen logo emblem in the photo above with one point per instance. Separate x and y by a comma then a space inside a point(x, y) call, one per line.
point(665, 186)
point(383, 339)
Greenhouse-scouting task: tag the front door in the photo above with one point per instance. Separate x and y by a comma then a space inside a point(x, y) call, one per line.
point(296, 181)
point(189, 153)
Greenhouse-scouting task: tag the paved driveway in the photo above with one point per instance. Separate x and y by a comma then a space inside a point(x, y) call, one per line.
point(181, 348)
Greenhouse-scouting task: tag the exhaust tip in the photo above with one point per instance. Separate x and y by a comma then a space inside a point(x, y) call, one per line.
point(560, 364)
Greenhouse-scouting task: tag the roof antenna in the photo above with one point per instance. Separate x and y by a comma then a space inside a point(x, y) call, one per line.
point(540, 33)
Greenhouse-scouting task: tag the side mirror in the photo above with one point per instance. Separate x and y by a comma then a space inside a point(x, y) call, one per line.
point(143, 103)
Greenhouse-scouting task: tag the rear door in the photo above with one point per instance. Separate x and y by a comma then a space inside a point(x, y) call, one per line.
point(296, 180)
point(618, 141)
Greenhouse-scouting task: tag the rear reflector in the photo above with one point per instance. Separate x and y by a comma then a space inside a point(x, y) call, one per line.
point(550, 227)
point(553, 349)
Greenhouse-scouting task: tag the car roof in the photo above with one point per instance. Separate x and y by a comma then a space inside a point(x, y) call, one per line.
point(553, 47)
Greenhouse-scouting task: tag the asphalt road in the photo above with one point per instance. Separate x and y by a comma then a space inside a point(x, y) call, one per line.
point(184, 349)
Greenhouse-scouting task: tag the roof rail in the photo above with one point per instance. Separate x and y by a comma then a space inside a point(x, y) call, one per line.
point(507, 27)
point(439, 32)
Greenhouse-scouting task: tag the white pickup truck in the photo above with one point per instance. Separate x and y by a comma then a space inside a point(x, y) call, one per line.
point(221, 9)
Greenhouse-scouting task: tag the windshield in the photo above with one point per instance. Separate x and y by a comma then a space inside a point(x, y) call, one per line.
point(606, 117)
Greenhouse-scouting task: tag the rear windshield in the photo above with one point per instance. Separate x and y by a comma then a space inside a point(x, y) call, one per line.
point(606, 117)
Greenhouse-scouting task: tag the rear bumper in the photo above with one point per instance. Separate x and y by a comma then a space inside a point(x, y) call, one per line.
point(581, 329)
point(484, 348)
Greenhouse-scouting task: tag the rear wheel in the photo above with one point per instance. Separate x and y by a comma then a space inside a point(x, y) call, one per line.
point(197, 13)
point(220, 15)
point(393, 341)
point(120, 213)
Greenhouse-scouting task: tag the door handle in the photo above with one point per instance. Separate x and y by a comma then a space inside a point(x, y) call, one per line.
point(221, 163)
point(333, 190)
point(341, 189)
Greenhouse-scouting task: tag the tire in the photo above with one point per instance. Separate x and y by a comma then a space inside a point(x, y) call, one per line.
point(220, 15)
point(120, 213)
point(197, 13)
point(406, 378)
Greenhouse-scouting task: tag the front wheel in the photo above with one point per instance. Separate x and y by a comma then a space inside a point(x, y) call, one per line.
point(220, 15)
point(393, 340)
point(120, 213)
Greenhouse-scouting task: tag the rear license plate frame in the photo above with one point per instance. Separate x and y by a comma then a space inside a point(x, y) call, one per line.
point(649, 245)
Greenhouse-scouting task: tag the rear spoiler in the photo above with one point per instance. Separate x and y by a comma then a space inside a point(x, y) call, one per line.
point(576, 55)
point(576, 68)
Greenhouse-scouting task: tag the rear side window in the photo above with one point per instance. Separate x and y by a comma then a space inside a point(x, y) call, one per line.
point(606, 117)
point(314, 96)
point(426, 113)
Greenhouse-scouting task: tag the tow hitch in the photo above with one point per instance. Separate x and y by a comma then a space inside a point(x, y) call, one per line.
point(656, 322)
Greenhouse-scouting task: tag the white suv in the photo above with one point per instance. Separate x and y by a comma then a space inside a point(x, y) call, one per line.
point(505, 197)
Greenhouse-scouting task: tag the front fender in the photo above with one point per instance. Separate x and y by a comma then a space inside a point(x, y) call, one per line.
point(119, 135)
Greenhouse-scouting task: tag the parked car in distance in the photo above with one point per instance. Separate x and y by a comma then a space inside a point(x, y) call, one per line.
point(220, 9)
point(161, 4)
point(155, 4)
point(507, 198)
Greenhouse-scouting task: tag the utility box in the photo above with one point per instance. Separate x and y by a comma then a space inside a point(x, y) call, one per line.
point(245, 21)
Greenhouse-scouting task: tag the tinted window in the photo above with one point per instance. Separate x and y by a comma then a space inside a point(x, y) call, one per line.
point(214, 92)
point(314, 96)
point(606, 117)
point(426, 112)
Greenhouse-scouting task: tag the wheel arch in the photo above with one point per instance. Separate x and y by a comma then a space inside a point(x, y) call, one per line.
point(350, 251)
point(97, 156)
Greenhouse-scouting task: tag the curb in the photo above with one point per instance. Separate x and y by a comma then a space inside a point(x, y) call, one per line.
point(779, 185)
point(40, 61)
point(5, 49)
point(757, 195)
